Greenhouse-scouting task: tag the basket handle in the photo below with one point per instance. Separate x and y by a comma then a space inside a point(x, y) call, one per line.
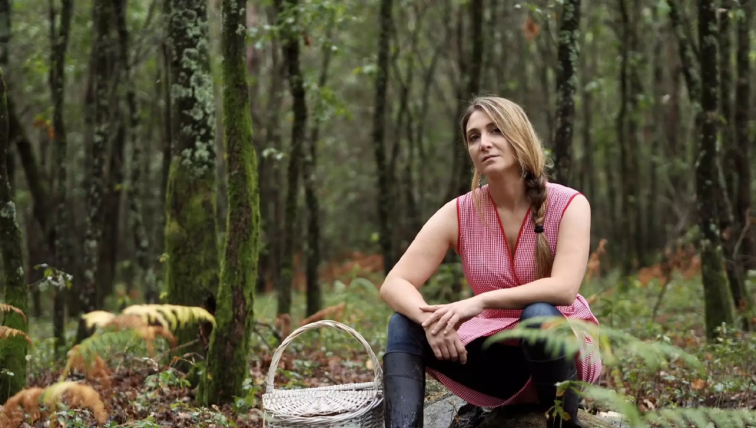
point(323, 323)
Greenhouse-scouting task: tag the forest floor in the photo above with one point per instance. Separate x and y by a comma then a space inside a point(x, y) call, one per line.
point(146, 392)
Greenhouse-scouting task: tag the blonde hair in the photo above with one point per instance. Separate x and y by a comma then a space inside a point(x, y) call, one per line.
point(514, 124)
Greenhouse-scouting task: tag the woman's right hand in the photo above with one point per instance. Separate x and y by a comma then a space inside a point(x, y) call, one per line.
point(446, 346)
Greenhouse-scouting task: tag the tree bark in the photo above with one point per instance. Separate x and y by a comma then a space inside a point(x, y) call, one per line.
point(730, 227)
point(101, 13)
point(566, 77)
point(314, 293)
point(229, 344)
point(379, 149)
point(290, 9)
point(145, 275)
point(718, 305)
point(192, 268)
point(13, 350)
point(59, 44)
point(742, 201)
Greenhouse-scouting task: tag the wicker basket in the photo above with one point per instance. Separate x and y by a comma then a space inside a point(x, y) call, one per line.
point(358, 405)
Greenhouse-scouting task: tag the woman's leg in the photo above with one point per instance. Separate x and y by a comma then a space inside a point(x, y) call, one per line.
point(547, 369)
point(404, 373)
point(499, 370)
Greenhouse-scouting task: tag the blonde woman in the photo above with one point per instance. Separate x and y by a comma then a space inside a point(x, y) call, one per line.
point(506, 233)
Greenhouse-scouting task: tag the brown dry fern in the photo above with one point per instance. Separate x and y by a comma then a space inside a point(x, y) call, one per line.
point(28, 400)
point(7, 332)
point(4, 307)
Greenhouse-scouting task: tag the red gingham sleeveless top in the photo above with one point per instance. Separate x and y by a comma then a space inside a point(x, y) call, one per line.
point(488, 265)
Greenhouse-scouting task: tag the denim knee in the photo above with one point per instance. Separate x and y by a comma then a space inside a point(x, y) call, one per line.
point(405, 335)
point(538, 350)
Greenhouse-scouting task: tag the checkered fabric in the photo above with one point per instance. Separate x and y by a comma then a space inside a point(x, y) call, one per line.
point(489, 265)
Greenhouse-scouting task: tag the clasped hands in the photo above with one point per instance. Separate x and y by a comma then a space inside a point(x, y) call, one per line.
point(441, 327)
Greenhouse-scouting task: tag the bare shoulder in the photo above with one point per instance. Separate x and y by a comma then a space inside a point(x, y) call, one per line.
point(579, 208)
point(427, 250)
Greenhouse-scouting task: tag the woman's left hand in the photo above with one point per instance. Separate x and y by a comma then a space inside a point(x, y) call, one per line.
point(453, 314)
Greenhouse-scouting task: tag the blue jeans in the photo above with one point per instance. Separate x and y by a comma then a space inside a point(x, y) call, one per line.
point(499, 370)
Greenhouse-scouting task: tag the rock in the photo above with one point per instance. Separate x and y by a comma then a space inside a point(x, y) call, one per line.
point(445, 410)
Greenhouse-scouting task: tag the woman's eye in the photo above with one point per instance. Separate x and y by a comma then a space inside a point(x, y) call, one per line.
point(495, 131)
point(474, 137)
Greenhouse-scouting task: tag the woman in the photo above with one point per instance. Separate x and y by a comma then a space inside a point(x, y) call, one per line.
point(506, 233)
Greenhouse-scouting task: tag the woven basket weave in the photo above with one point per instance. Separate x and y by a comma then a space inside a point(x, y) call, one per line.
point(358, 405)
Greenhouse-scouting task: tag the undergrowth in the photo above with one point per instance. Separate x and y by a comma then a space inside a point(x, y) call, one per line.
point(658, 367)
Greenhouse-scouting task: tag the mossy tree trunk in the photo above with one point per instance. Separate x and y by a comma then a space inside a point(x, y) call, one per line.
point(566, 77)
point(229, 343)
point(13, 350)
point(718, 299)
point(59, 42)
point(191, 230)
point(101, 17)
point(742, 203)
point(288, 20)
point(379, 125)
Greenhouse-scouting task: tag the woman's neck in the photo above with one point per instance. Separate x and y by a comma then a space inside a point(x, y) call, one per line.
point(508, 191)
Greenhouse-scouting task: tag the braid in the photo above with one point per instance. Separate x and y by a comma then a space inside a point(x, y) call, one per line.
point(536, 191)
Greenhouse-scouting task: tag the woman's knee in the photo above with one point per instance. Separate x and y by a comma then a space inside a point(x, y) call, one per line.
point(539, 310)
point(404, 335)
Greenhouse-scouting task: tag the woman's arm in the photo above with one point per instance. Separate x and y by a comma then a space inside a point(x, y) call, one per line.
point(568, 269)
point(419, 262)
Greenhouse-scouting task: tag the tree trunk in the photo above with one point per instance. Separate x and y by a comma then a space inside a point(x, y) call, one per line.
point(13, 350)
point(628, 197)
point(59, 44)
point(718, 303)
point(290, 9)
point(729, 224)
point(742, 201)
point(145, 275)
point(314, 293)
point(192, 268)
point(101, 13)
point(472, 76)
point(379, 125)
point(111, 213)
point(566, 77)
point(229, 344)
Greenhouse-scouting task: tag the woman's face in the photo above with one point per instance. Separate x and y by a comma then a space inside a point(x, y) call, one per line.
point(490, 152)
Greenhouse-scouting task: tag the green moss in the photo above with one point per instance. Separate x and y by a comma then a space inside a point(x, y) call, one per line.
point(13, 350)
point(229, 343)
point(191, 231)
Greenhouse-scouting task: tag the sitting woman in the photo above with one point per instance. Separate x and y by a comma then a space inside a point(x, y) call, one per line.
point(506, 233)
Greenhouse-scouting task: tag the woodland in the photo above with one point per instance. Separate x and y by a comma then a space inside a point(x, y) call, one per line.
point(184, 183)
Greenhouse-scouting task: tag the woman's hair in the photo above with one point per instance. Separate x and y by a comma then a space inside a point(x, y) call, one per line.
point(514, 125)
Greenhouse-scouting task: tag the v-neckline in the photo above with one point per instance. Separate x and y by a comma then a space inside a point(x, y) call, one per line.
point(510, 252)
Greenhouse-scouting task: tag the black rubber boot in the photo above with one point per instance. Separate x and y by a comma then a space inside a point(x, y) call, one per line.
point(545, 376)
point(403, 390)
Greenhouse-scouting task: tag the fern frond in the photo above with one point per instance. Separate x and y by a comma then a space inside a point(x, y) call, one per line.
point(86, 355)
point(28, 400)
point(701, 417)
point(98, 318)
point(609, 398)
point(564, 334)
point(7, 332)
point(78, 395)
point(4, 307)
point(91, 364)
point(169, 316)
